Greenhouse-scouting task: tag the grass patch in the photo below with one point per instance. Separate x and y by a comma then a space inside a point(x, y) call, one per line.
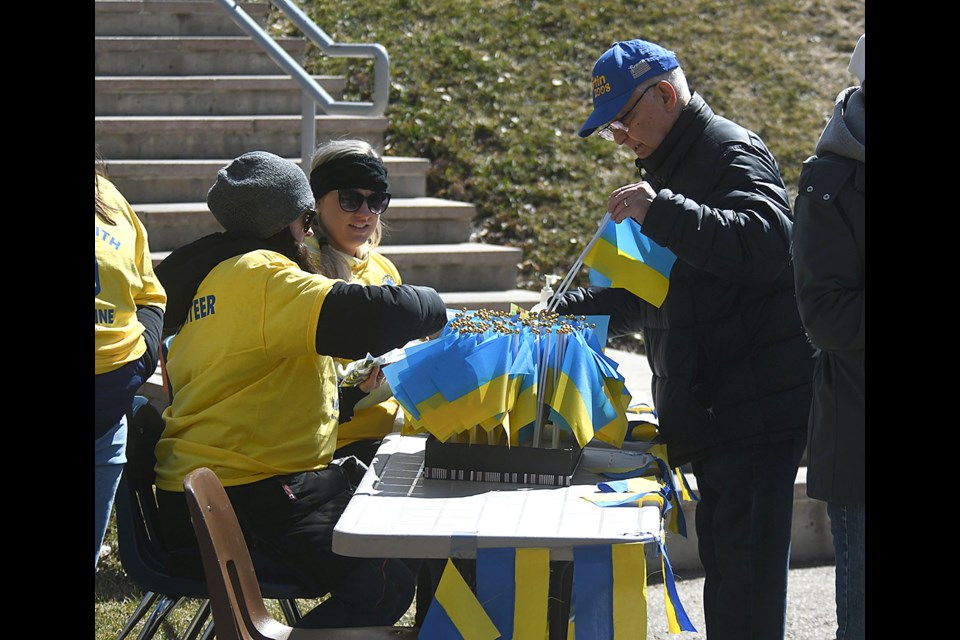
point(493, 92)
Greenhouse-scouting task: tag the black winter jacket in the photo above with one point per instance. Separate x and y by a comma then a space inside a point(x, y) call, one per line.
point(829, 249)
point(731, 364)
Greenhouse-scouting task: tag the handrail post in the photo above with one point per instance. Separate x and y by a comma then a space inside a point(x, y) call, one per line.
point(308, 131)
point(381, 60)
point(312, 91)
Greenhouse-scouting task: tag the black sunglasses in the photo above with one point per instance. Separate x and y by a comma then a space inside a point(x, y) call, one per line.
point(351, 200)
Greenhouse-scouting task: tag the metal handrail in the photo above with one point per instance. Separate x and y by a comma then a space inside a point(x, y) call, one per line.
point(313, 93)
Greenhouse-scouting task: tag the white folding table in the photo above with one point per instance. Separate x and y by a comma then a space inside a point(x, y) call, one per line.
point(397, 513)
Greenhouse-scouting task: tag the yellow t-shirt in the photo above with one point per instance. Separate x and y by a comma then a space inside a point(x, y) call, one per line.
point(124, 279)
point(374, 421)
point(252, 398)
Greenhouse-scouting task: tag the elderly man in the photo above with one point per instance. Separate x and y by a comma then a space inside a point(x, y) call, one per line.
point(731, 365)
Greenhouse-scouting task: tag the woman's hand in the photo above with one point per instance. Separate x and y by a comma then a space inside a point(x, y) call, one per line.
point(374, 380)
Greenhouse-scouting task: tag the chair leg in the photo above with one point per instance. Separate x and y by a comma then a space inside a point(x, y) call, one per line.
point(148, 599)
point(163, 609)
point(291, 611)
point(192, 632)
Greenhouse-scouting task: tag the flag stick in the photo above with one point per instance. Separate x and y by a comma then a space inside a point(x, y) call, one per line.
point(561, 346)
point(567, 279)
point(542, 355)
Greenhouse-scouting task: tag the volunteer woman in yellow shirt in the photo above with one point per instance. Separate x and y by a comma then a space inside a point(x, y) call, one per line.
point(128, 314)
point(349, 183)
point(255, 386)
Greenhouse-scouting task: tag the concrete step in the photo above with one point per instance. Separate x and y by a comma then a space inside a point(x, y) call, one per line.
point(409, 220)
point(152, 17)
point(465, 266)
point(188, 56)
point(193, 137)
point(204, 95)
point(187, 181)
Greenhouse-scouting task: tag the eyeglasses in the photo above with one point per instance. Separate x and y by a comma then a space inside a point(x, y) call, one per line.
point(619, 124)
point(308, 218)
point(351, 200)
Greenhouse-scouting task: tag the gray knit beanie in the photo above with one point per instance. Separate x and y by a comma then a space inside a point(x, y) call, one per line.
point(259, 193)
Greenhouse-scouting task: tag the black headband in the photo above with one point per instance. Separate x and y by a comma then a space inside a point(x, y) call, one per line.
point(352, 171)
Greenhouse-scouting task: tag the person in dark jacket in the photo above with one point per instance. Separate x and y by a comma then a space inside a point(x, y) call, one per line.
point(829, 253)
point(255, 393)
point(731, 365)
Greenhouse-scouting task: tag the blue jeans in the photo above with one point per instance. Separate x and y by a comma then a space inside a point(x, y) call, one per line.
point(847, 524)
point(109, 457)
point(744, 519)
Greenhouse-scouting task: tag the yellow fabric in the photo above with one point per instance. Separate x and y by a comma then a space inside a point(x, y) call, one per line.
point(126, 280)
point(252, 397)
point(629, 591)
point(673, 625)
point(461, 606)
point(532, 576)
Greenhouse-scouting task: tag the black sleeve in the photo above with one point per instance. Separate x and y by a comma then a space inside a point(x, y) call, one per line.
point(828, 260)
point(349, 397)
point(356, 320)
point(152, 320)
point(625, 309)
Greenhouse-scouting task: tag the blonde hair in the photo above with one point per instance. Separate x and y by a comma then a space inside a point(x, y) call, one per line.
point(331, 262)
point(101, 208)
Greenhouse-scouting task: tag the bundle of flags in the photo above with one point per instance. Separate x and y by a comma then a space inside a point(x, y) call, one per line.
point(622, 257)
point(608, 598)
point(633, 486)
point(499, 377)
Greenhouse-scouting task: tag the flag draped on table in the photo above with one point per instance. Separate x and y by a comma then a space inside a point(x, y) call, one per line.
point(608, 599)
point(492, 377)
point(512, 597)
point(632, 488)
point(455, 613)
point(513, 586)
point(609, 592)
point(624, 258)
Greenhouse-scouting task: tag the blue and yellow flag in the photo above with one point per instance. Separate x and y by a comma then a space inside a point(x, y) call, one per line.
point(513, 586)
point(582, 399)
point(455, 613)
point(677, 618)
point(492, 372)
point(609, 592)
point(624, 258)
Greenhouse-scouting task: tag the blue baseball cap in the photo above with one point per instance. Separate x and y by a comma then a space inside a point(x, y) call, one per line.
point(620, 70)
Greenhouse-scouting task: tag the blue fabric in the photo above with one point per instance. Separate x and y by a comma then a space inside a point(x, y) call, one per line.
point(593, 591)
point(848, 526)
point(744, 519)
point(109, 458)
point(113, 393)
